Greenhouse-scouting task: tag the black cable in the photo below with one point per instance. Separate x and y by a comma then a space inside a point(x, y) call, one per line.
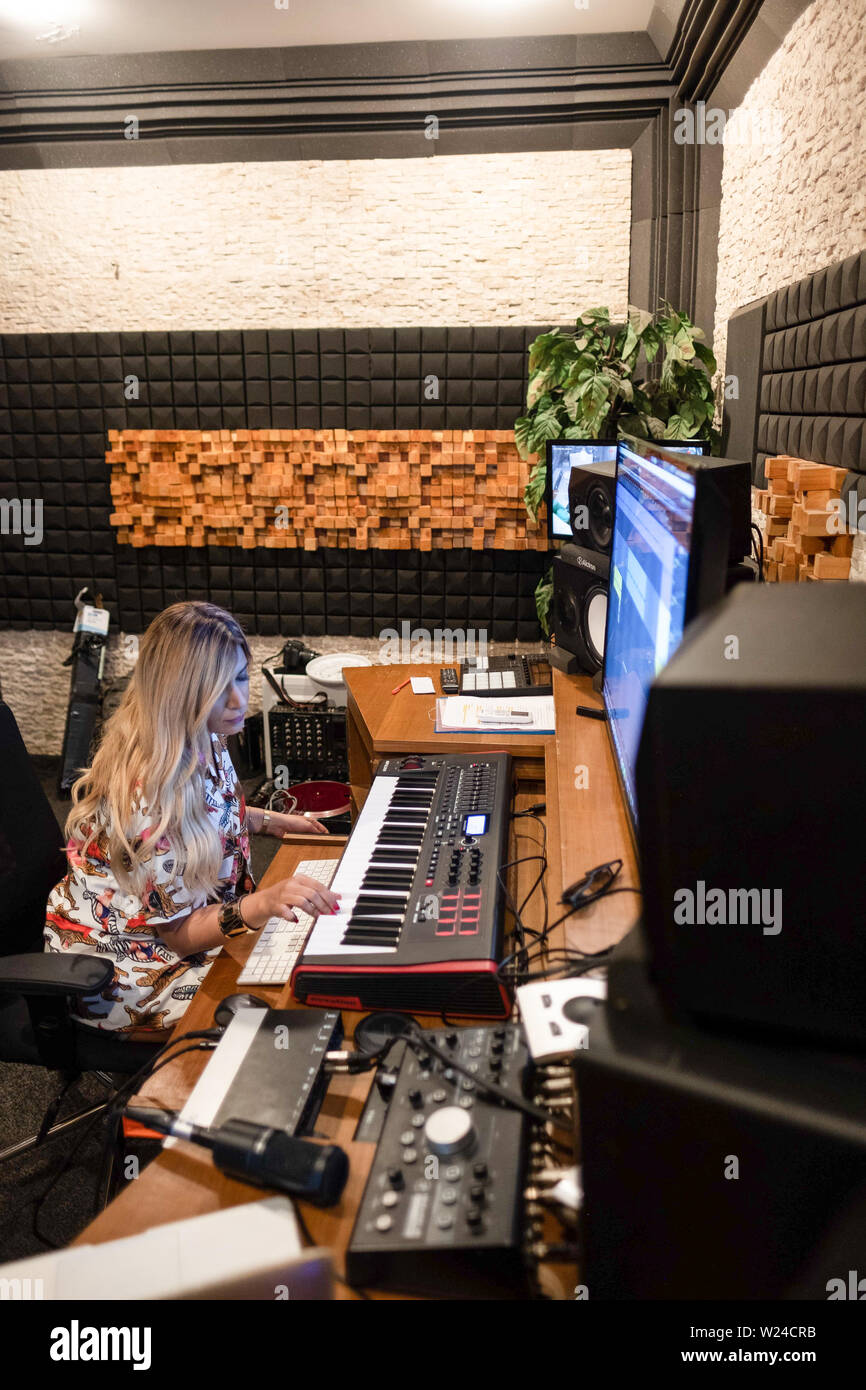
point(159, 1060)
point(574, 969)
point(416, 1034)
point(512, 906)
point(521, 930)
point(541, 879)
point(305, 1232)
point(606, 892)
point(759, 549)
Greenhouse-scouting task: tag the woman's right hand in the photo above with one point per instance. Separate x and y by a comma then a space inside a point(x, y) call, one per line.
point(281, 900)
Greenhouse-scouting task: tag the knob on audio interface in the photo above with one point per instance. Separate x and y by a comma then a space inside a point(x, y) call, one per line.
point(449, 1131)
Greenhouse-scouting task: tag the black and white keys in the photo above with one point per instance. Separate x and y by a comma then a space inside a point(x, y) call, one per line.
point(378, 868)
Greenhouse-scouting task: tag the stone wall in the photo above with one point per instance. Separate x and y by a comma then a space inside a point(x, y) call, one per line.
point(794, 177)
point(457, 239)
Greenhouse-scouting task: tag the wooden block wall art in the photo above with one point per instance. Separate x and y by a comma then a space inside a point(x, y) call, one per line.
point(804, 537)
point(302, 489)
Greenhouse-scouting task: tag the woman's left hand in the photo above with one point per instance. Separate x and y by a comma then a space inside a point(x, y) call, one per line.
point(282, 825)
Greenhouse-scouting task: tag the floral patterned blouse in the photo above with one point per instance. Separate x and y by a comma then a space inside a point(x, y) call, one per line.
point(88, 912)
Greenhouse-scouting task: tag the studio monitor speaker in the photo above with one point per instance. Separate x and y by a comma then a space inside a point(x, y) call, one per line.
point(580, 584)
point(751, 779)
point(733, 478)
point(591, 493)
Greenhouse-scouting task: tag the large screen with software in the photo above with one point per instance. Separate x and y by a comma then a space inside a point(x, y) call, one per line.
point(647, 602)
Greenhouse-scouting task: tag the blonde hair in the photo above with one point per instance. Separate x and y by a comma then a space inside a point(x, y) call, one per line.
point(155, 749)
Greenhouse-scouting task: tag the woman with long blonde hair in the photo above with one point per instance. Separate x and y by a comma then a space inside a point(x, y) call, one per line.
point(158, 834)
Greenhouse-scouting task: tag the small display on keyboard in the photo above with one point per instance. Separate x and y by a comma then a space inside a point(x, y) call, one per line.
point(514, 675)
point(280, 942)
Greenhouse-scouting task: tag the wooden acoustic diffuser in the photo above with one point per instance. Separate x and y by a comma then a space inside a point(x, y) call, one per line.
point(350, 489)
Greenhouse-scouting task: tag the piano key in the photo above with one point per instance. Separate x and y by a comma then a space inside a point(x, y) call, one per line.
point(378, 867)
point(387, 883)
point(364, 938)
point(388, 895)
point(386, 907)
point(399, 875)
point(391, 925)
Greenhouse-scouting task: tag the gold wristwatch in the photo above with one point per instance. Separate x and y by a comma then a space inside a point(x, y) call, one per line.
point(231, 923)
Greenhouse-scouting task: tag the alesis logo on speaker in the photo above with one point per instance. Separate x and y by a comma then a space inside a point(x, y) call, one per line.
point(586, 564)
point(580, 585)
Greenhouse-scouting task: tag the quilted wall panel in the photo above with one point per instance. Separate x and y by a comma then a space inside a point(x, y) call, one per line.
point(812, 369)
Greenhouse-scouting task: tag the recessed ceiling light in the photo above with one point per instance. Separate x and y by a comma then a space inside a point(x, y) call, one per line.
point(42, 14)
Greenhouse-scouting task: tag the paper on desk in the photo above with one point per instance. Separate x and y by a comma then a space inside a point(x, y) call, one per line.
point(459, 714)
point(241, 1246)
point(422, 685)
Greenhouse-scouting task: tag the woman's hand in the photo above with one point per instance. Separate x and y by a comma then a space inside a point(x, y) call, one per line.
point(281, 825)
point(281, 899)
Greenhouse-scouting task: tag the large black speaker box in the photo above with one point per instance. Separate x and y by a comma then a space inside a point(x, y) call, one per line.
point(733, 478)
point(750, 780)
point(579, 606)
point(715, 1169)
point(591, 492)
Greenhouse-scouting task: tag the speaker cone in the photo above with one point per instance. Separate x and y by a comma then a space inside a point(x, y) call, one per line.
point(600, 517)
point(596, 619)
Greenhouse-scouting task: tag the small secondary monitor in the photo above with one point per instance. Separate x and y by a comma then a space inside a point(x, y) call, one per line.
point(668, 562)
point(591, 460)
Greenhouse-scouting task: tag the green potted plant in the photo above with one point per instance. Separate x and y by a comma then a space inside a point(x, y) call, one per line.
point(585, 385)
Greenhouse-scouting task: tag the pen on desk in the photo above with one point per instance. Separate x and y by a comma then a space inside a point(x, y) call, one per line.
point(400, 686)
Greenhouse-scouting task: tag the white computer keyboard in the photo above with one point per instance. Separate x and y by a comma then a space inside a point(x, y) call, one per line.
point(280, 942)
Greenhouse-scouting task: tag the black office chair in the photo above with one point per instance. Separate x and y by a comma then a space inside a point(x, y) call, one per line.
point(37, 988)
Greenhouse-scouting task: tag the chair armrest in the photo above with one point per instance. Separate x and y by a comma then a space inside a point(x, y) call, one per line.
point(50, 973)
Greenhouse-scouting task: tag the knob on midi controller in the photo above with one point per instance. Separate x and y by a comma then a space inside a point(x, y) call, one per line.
point(449, 1131)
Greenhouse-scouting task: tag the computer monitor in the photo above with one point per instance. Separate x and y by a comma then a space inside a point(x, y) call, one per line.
point(669, 559)
point(594, 456)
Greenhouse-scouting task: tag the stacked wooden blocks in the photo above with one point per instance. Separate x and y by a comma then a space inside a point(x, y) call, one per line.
point(805, 536)
point(382, 489)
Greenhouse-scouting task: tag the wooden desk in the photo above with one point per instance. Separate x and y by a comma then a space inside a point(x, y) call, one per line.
point(586, 825)
point(587, 822)
point(379, 723)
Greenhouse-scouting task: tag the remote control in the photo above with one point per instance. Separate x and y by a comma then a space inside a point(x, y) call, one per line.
point(448, 680)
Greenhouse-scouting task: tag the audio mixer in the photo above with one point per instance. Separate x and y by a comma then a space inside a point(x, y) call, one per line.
point(442, 1209)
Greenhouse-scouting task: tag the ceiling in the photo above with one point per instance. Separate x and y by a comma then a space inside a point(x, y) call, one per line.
point(55, 28)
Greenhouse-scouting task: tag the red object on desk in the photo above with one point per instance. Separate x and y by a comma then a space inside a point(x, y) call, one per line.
point(400, 686)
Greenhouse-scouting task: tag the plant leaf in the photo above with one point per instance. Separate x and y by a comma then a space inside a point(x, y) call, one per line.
point(533, 493)
point(705, 356)
point(543, 600)
point(522, 435)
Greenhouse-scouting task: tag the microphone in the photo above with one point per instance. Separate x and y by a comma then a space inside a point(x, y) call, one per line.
point(260, 1155)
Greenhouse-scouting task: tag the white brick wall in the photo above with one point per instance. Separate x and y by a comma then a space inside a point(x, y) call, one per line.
point(474, 239)
point(797, 202)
